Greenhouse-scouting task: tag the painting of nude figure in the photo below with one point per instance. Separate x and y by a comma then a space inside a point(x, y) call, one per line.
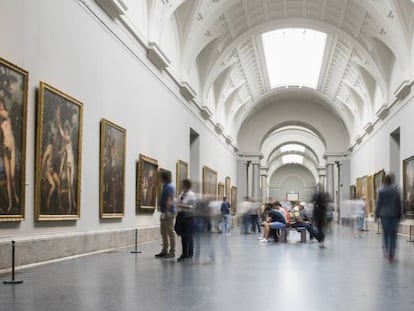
point(112, 170)
point(58, 155)
point(13, 110)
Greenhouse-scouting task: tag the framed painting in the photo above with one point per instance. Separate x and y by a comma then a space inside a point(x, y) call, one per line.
point(227, 183)
point(159, 189)
point(233, 203)
point(182, 173)
point(209, 182)
point(147, 184)
point(370, 197)
point(358, 187)
point(112, 170)
point(363, 186)
point(220, 191)
point(13, 112)
point(378, 181)
point(352, 192)
point(408, 187)
point(58, 155)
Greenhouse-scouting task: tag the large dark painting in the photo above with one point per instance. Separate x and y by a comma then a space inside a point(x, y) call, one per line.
point(209, 182)
point(147, 184)
point(13, 109)
point(408, 187)
point(58, 155)
point(112, 170)
point(182, 173)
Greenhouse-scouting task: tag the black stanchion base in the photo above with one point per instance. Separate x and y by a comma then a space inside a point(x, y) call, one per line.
point(136, 252)
point(12, 282)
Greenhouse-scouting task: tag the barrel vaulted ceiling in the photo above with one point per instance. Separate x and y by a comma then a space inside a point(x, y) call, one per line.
point(214, 49)
point(367, 57)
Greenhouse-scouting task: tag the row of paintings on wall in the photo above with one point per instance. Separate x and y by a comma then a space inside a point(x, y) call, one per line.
point(368, 186)
point(58, 157)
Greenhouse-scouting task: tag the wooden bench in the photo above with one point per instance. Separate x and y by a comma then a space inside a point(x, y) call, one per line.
point(284, 232)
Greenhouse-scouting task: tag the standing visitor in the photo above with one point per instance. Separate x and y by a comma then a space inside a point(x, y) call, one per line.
point(319, 216)
point(168, 211)
point(225, 213)
point(185, 220)
point(388, 209)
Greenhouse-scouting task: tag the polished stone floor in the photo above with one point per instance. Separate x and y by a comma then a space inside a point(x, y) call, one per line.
point(350, 274)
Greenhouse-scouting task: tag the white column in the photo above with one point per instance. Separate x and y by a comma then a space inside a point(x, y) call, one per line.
point(255, 181)
point(330, 179)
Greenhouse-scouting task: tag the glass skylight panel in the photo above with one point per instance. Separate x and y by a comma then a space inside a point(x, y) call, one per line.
point(294, 56)
point(292, 147)
point(292, 158)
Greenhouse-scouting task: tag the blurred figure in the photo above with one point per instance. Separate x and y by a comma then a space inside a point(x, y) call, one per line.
point(168, 211)
point(254, 213)
point(225, 213)
point(388, 209)
point(330, 208)
point(185, 220)
point(276, 220)
point(359, 211)
point(243, 210)
point(297, 220)
point(201, 223)
point(319, 216)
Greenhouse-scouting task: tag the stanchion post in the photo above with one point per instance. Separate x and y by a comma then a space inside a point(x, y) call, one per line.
point(13, 280)
point(410, 239)
point(136, 251)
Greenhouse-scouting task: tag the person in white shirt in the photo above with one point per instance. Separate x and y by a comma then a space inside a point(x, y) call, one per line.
point(184, 225)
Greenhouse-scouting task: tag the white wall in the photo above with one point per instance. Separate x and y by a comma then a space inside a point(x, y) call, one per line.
point(315, 115)
point(374, 152)
point(65, 46)
point(290, 178)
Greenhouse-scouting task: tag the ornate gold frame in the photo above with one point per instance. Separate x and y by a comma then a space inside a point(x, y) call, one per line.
point(378, 175)
point(370, 198)
point(39, 140)
point(139, 183)
point(220, 191)
point(233, 200)
point(179, 166)
point(25, 76)
point(408, 200)
point(106, 123)
point(227, 183)
point(212, 185)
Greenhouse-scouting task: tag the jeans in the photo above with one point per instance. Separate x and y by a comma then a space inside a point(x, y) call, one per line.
point(360, 223)
point(390, 228)
point(226, 224)
point(187, 240)
point(255, 222)
point(312, 232)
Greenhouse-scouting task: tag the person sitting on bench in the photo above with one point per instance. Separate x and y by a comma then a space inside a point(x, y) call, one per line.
point(297, 220)
point(276, 220)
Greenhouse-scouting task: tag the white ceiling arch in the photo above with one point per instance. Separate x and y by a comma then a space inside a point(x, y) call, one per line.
point(371, 47)
point(278, 152)
point(278, 166)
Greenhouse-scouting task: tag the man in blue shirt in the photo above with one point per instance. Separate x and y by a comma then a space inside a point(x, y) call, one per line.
point(225, 212)
point(168, 211)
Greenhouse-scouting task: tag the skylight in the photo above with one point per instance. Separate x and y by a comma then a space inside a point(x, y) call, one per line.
point(292, 147)
point(292, 158)
point(294, 56)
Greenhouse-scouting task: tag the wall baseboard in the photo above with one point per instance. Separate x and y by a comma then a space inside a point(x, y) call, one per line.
point(44, 248)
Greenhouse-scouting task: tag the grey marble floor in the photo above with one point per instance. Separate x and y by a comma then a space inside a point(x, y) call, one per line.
point(350, 274)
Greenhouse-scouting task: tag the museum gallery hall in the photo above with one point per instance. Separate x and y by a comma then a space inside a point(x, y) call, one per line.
point(261, 149)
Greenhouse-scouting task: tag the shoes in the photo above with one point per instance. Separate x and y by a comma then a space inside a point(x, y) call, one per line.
point(182, 258)
point(264, 241)
point(322, 245)
point(169, 255)
point(160, 255)
point(260, 238)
